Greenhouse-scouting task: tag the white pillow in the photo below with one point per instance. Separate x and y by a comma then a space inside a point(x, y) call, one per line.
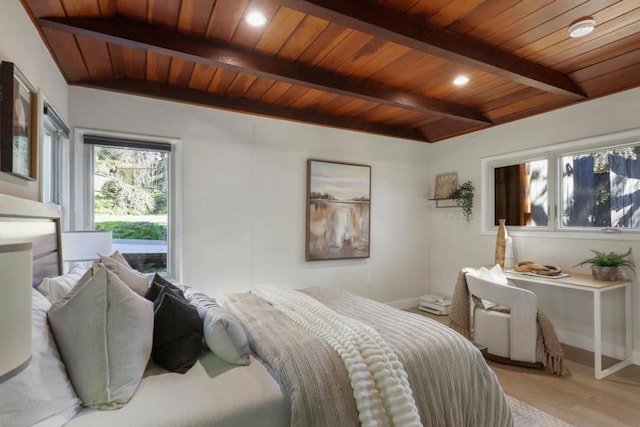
point(42, 392)
point(222, 331)
point(495, 275)
point(137, 281)
point(54, 288)
point(104, 332)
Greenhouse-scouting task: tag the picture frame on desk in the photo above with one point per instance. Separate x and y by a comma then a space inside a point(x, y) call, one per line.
point(18, 114)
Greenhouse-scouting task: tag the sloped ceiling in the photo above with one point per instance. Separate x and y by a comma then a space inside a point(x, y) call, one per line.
point(383, 67)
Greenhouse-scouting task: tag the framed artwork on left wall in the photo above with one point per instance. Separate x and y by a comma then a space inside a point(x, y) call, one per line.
point(338, 210)
point(18, 134)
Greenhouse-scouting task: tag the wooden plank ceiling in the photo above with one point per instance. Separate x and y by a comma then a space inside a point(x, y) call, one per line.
point(383, 66)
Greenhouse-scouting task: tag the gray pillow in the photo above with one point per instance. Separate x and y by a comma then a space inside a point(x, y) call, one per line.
point(104, 333)
point(222, 331)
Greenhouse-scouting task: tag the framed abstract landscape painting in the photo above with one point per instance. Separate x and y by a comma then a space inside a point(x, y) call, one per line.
point(338, 210)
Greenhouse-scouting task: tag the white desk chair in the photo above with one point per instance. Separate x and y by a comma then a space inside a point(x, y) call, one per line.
point(506, 335)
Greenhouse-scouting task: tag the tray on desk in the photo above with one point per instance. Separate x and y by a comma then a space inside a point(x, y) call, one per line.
point(534, 274)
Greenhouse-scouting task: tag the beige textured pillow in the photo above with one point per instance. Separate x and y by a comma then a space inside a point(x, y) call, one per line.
point(120, 258)
point(137, 281)
point(104, 333)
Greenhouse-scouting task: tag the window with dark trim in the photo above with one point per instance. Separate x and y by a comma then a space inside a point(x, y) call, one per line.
point(130, 193)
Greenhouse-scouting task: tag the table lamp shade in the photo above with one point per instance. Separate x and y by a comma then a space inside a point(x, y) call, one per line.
point(85, 245)
point(15, 308)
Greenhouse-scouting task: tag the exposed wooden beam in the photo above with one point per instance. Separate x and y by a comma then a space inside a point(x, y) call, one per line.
point(139, 35)
point(197, 97)
point(369, 17)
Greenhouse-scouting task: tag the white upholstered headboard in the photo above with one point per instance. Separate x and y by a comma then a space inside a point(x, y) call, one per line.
point(39, 223)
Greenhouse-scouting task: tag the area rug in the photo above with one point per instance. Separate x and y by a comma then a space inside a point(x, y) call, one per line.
point(525, 415)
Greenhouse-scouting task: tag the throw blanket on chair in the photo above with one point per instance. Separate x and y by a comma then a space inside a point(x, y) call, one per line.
point(550, 351)
point(380, 387)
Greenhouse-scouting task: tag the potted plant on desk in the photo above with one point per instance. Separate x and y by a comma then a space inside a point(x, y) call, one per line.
point(605, 266)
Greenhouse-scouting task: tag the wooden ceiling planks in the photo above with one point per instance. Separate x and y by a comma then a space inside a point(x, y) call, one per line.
point(608, 67)
point(194, 16)
point(615, 28)
point(558, 40)
point(516, 15)
point(81, 8)
point(476, 17)
point(293, 93)
point(308, 31)
point(132, 9)
point(258, 88)
point(625, 78)
point(96, 56)
point(434, 41)
point(180, 72)
point(524, 107)
point(38, 8)
point(240, 84)
point(331, 36)
point(128, 62)
point(451, 12)
point(157, 69)
point(334, 67)
point(163, 12)
point(221, 81)
point(307, 99)
point(226, 16)
point(284, 23)
point(107, 7)
point(248, 36)
point(67, 54)
point(595, 55)
point(345, 50)
point(553, 24)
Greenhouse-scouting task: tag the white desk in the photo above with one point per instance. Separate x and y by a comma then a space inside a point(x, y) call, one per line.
point(586, 283)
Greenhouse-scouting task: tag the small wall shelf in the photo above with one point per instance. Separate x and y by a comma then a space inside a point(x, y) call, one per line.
point(447, 201)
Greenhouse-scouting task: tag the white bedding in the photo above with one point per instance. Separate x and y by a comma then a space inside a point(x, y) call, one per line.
point(213, 392)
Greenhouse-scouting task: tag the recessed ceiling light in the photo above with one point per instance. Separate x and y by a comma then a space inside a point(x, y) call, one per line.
point(255, 19)
point(461, 80)
point(582, 27)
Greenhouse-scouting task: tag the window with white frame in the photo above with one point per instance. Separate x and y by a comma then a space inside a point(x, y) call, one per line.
point(129, 192)
point(600, 188)
point(586, 185)
point(55, 134)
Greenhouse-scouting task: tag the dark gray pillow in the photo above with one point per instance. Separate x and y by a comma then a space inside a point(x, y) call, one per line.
point(157, 284)
point(177, 333)
point(222, 331)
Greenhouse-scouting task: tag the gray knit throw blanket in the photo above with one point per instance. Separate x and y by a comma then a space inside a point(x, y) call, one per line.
point(550, 351)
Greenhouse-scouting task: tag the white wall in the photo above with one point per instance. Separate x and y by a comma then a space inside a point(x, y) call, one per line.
point(244, 193)
point(21, 44)
point(454, 243)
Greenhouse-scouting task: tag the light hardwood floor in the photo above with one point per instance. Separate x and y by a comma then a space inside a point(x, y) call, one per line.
point(579, 399)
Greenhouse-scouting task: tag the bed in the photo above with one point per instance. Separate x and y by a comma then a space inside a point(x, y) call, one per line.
point(294, 377)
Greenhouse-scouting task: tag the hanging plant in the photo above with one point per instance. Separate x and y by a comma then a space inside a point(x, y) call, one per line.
point(463, 196)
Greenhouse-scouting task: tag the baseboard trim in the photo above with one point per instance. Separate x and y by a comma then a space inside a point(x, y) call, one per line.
point(586, 343)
